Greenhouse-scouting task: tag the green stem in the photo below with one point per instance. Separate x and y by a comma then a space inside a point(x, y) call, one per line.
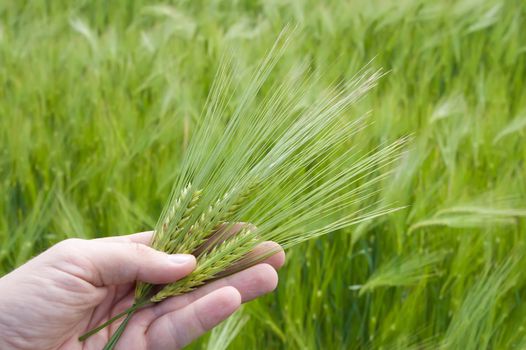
point(116, 336)
point(129, 312)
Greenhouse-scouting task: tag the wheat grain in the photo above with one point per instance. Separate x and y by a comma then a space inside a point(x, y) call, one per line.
point(165, 238)
point(210, 263)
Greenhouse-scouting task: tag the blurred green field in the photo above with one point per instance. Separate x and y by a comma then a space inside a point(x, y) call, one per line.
point(98, 100)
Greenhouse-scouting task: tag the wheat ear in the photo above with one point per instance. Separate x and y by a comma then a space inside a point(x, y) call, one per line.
point(210, 264)
point(165, 235)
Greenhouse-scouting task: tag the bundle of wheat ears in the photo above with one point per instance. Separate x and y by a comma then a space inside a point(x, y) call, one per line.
point(277, 158)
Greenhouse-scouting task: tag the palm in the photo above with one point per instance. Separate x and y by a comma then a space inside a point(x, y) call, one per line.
point(115, 299)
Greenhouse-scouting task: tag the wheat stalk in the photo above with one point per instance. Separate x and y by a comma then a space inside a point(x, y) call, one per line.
point(309, 181)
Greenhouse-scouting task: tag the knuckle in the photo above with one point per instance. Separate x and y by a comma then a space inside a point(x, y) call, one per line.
point(141, 249)
point(200, 323)
point(138, 247)
point(68, 245)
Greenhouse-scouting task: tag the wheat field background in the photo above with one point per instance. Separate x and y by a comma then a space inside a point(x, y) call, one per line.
point(98, 100)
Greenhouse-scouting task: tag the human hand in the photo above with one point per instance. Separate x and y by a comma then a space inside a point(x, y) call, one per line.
point(77, 284)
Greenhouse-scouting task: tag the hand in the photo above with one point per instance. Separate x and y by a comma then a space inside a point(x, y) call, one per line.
point(77, 284)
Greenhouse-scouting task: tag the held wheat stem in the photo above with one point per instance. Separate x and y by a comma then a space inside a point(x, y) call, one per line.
point(309, 180)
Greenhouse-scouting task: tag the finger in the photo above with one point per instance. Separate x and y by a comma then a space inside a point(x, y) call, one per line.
point(268, 252)
point(250, 283)
point(179, 328)
point(277, 260)
point(141, 237)
point(110, 263)
point(224, 232)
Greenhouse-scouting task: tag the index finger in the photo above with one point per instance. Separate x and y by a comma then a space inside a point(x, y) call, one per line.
point(140, 237)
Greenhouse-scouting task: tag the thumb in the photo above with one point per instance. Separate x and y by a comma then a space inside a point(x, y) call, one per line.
point(104, 263)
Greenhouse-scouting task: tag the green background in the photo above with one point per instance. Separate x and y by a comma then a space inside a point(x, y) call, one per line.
point(98, 100)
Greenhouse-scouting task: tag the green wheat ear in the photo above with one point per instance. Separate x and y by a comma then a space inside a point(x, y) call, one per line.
point(210, 264)
point(165, 236)
point(284, 168)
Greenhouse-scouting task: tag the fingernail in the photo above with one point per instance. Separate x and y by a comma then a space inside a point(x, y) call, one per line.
point(181, 258)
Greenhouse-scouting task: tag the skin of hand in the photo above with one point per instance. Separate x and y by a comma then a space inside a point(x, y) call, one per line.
point(77, 284)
